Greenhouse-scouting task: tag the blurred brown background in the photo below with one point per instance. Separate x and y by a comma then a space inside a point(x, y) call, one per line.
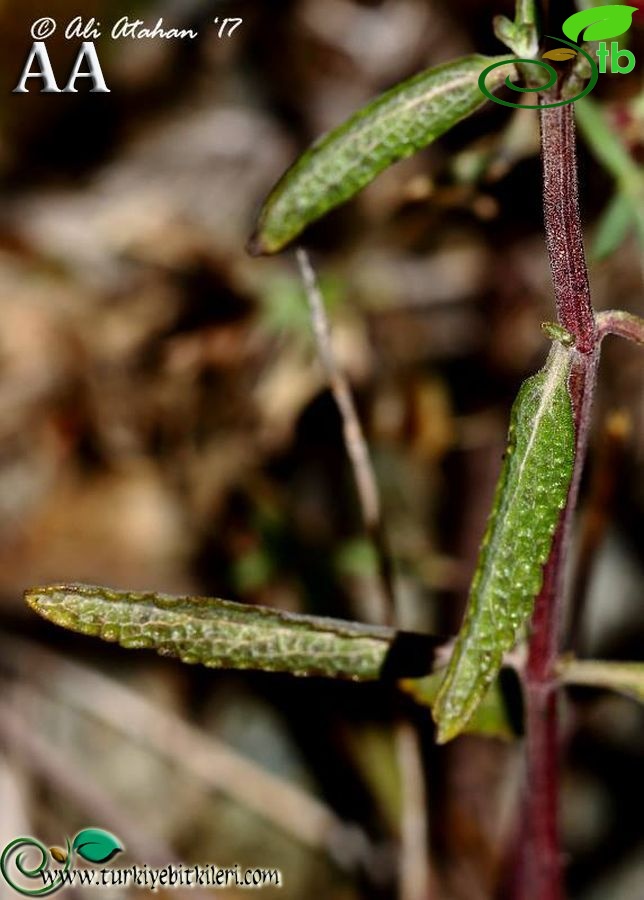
point(164, 424)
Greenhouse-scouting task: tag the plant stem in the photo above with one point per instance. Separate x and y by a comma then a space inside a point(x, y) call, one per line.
point(563, 226)
point(539, 863)
point(623, 324)
point(415, 876)
point(599, 504)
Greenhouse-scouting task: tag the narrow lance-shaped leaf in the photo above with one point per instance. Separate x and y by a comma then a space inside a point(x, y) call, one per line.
point(222, 634)
point(627, 206)
point(218, 633)
point(613, 226)
point(489, 719)
point(393, 126)
point(531, 492)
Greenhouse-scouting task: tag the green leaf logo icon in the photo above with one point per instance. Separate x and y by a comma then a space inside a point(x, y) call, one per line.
point(600, 24)
point(96, 845)
point(560, 54)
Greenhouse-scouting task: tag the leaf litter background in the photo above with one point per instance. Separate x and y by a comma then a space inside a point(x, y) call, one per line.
point(164, 425)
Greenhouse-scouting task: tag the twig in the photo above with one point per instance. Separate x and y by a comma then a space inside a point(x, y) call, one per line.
point(280, 802)
point(354, 439)
point(414, 865)
point(415, 875)
point(20, 734)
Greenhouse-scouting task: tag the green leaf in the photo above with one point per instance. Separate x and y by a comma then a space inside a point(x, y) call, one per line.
point(557, 332)
point(604, 142)
point(395, 125)
point(614, 226)
point(600, 24)
point(489, 719)
point(624, 677)
point(531, 492)
point(96, 845)
point(218, 633)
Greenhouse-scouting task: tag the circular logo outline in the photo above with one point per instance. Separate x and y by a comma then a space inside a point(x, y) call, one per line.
point(594, 77)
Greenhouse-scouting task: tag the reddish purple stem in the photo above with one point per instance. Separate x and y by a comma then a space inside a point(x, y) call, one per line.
point(563, 226)
point(539, 872)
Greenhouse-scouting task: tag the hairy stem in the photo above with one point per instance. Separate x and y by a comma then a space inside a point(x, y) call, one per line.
point(539, 861)
point(563, 226)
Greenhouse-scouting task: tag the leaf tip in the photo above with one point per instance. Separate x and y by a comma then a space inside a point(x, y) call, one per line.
point(555, 332)
point(33, 597)
point(43, 597)
point(447, 729)
point(449, 718)
point(256, 245)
